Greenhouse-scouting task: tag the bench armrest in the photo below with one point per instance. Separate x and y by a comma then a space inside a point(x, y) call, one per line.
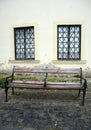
point(7, 79)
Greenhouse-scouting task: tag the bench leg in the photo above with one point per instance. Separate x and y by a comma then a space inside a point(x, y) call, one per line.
point(12, 90)
point(84, 92)
point(6, 93)
point(79, 93)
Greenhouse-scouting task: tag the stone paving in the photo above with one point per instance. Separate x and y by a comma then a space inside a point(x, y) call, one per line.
point(45, 110)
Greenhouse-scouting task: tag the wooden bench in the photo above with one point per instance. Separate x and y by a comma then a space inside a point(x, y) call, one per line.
point(49, 79)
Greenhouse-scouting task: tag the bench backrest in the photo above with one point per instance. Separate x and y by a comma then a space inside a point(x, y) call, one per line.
point(74, 71)
point(45, 70)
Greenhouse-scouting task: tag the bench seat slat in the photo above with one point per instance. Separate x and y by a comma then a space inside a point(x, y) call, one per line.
point(49, 85)
point(26, 84)
point(70, 87)
point(64, 85)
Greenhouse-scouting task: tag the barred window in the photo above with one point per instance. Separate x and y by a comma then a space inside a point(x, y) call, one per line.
point(69, 42)
point(24, 43)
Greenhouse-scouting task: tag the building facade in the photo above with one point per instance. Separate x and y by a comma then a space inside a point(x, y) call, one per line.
point(35, 32)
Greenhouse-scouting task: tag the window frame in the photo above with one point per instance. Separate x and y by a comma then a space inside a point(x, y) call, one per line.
point(24, 28)
point(68, 26)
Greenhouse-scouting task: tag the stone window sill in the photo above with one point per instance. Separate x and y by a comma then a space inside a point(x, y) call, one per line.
point(69, 62)
point(24, 61)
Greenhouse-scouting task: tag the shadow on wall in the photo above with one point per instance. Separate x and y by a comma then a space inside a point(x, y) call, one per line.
point(5, 68)
point(87, 72)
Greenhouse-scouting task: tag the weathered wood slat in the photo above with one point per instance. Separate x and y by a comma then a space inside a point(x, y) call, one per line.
point(31, 86)
point(22, 84)
point(64, 85)
point(51, 86)
point(56, 71)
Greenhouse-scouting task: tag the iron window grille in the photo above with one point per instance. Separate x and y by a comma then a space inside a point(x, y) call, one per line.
point(24, 43)
point(69, 42)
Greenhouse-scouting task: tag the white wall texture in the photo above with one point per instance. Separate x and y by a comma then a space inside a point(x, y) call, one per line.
point(44, 14)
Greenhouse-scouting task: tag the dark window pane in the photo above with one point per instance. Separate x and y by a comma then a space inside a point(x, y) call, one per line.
point(24, 43)
point(69, 42)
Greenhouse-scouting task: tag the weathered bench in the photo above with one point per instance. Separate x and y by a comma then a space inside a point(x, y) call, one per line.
point(58, 76)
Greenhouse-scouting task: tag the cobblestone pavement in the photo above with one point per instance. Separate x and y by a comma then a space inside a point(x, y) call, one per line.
point(45, 110)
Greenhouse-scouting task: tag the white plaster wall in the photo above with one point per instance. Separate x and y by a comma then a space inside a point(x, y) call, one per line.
point(45, 14)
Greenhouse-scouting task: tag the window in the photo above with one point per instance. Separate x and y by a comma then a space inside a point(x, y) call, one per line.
point(69, 42)
point(24, 43)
